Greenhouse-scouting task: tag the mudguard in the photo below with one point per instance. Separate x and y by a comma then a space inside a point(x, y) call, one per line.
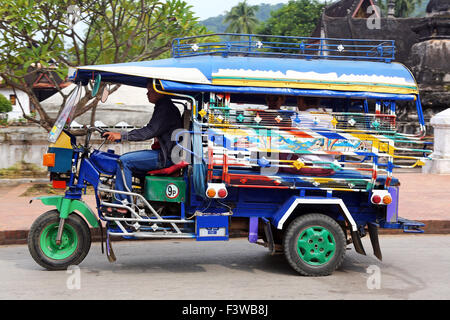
point(67, 206)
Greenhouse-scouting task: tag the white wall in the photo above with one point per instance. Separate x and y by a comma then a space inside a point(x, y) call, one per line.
point(29, 143)
point(16, 112)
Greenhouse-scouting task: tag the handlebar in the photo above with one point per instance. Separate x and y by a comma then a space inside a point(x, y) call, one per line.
point(100, 130)
point(90, 130)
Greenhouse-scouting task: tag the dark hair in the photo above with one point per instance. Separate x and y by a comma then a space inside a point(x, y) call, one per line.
point(157, 84)
point(275, 96)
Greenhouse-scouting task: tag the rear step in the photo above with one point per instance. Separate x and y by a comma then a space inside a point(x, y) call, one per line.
point(408, 226)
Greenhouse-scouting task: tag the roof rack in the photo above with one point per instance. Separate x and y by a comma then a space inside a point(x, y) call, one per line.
point(284, 46)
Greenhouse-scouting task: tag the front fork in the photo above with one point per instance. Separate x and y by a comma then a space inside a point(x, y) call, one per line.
point(60, 230)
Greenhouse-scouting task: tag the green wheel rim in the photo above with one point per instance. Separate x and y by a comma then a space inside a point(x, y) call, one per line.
point(316, 245)
point(69, 242)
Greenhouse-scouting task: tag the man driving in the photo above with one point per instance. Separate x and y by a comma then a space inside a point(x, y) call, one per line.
point(166, 118)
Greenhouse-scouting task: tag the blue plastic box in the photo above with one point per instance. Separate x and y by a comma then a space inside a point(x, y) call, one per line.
point(211, 227)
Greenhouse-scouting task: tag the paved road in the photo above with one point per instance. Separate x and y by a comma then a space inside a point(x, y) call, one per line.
point(422, 197)
point(414, 267)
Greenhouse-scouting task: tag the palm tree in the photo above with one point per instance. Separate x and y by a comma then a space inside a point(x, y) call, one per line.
point(242, 18)
point(403, 8)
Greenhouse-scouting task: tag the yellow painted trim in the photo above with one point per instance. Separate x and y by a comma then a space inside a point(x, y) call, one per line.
point(406, 157)
point(235, 132)
point(62, 142)
point(297, 85)
point(344, 189)
point(323, 180)
point(194, 105)
point(381, 146)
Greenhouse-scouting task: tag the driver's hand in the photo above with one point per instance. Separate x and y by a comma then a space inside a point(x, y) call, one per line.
point(112, 136)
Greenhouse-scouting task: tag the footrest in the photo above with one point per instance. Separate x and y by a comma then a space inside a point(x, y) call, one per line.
point(408, 226)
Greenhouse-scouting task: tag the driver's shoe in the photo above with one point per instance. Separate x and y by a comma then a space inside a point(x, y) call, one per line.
point(115, 212)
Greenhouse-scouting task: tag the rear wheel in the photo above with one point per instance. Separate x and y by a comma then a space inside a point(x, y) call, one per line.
point(74, 246)
point(314, 245)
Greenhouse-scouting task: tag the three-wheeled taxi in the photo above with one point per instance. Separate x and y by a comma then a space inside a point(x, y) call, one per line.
point(306, 175)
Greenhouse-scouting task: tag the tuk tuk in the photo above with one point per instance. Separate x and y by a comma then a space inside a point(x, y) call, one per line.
point(306, 178)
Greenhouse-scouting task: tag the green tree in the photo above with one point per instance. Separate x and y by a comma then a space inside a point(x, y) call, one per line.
point(403, 8)
point(41, 36)
point(242, 19)
point(5, 104)
point(296, 18)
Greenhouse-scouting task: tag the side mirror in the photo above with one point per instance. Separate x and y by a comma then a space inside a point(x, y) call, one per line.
point(97, 81)
point(105, 94)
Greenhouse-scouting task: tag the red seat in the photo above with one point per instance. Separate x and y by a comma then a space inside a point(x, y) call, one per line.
point(169, 171)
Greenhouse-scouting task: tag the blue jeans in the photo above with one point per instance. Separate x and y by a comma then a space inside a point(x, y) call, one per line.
point(137, 163)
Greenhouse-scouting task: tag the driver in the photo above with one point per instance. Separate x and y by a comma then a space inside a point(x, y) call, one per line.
point(166, 118)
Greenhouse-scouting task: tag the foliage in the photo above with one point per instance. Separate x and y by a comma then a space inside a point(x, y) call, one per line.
point(41, 189)
point(23, 169)
point(5, 104)
point(264, 10)
point(217, 23)
point(296, 18)
point(51, 36)
point(403, 8)
point(242, 19)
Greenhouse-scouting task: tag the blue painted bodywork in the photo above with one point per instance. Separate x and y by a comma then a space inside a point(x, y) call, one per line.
point(195, 88)
point(211, 225)
point(105, 162)
point(208, 65)
point(266, 203)
point(269, 204)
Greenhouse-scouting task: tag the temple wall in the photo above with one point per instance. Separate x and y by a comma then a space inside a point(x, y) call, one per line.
point(29, 143)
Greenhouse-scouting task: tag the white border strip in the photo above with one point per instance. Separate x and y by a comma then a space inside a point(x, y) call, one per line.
point(192, 75)
point(318, 201)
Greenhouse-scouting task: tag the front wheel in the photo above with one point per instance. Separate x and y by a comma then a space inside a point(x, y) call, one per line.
point(314, 245)
point(74, 246)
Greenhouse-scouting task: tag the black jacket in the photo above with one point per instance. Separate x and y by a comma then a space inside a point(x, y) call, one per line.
point(165, 119)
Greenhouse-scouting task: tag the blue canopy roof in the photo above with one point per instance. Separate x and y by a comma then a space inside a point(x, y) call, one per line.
point(211, 72)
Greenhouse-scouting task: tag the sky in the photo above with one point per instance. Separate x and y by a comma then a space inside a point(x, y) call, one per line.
point(211, 8)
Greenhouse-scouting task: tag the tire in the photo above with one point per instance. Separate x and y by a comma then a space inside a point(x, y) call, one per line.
point(76, 241)
point(314, 245)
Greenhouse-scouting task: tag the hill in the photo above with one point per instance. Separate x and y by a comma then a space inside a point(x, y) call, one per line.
point(420, 10)
point(216, 23)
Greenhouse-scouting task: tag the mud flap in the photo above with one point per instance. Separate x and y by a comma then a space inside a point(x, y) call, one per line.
point(109, 250)
point(357, 243)
point(101, 235)
point(373, 233)
point(269, 236)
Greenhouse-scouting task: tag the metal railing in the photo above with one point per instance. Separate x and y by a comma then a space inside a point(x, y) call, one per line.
point(284, 46)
